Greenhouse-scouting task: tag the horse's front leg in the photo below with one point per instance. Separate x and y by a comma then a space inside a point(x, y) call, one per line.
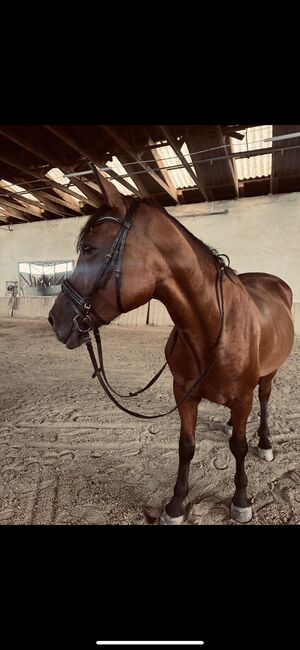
point(175, 510)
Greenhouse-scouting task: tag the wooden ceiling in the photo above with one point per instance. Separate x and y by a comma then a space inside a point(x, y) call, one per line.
point(29, 152)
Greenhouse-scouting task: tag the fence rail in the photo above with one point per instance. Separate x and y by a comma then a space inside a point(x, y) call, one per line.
point(153, 313)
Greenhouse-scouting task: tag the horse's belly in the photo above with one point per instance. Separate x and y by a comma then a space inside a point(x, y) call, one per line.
point(273, 299)
point(276, 342)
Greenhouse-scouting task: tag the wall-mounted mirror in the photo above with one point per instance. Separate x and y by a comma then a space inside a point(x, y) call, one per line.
point(43, 278)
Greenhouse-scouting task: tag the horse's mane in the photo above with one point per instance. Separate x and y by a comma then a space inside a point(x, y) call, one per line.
point(212, 252)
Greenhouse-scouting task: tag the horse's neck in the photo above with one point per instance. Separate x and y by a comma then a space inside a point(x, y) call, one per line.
point(187, 284)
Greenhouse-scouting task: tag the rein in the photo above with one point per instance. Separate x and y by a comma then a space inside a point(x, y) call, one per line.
point(83, 308)
point(99, 372)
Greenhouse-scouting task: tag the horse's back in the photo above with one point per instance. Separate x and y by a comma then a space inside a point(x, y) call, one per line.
point(264, 286)
point(273, 299)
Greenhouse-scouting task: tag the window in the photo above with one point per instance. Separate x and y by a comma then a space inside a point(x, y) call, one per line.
point(43, 278)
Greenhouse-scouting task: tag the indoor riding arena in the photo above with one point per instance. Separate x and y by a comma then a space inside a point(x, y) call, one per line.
point(69, 454)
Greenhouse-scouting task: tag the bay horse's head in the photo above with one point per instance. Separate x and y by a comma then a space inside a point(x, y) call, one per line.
point(114, 271)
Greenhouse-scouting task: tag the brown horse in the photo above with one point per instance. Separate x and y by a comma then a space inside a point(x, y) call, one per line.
point(234, 334)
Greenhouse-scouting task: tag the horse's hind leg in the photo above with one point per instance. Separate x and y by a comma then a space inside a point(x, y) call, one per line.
point(175, 509)
point(228, 427)
point(240, 506)
point(264, 449)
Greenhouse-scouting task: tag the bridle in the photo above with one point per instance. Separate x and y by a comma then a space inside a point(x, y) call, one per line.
point(82, 305)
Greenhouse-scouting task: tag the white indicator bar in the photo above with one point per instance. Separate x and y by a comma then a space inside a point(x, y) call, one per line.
point(150, 642)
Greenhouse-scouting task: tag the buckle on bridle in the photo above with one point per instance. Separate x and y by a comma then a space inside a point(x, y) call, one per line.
point(112, 256)
point(83, 326)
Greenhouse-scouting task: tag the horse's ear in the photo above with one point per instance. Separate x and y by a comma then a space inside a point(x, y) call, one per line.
point(112, 196)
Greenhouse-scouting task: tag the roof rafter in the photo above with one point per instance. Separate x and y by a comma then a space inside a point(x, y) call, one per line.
point(160, 164)
point(51, 203)
point(13, 210)
point(34, 147)
point(10, 160)
point(38, 149)
point(123, 181)
point(137, 159)
point(94, 198)
point(144, 192)
point(196, 178)
point(10, 203)
point(89, 155)
point(51, 200)
point(230, 162)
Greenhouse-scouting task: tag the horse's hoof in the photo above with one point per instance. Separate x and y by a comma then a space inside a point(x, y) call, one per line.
point(265, 454)
point(228, 429)
point(166, 520)
point(242, 515)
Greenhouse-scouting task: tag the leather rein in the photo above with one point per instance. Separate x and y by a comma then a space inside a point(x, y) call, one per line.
point(83, 308)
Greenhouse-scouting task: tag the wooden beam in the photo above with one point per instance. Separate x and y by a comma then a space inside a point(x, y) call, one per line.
point(51, 199)
point(66, 190)
point(4, 215)
point(124, 182)
point(73, 204)
point(38, 203)
point(144, 192)
point(13, 211)
point(164, 172)
point(94, 197)
point(23, 208)
point(55, 199)
point(233, 134)
point(274, 179)
point(48, 200)
point(198, 179)
point(50, 204)
point(230, 163)
point(274, 184)
point(37, 207)
point(11, 193)
point(89, 155)
point(161, 166)
point(37, 148)
point(10, 160)
point(158, 162)
point(137, 159)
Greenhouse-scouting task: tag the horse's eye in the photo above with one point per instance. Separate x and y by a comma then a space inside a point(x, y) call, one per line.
point(87, 250)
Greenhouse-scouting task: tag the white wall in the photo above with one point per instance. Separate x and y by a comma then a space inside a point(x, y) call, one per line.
point(39, 241)
point(258, 234)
